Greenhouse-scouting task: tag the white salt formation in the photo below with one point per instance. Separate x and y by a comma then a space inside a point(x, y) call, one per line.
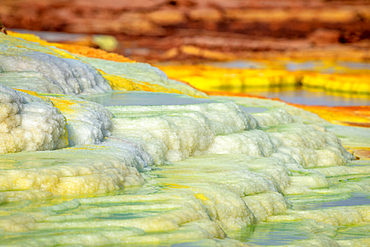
point(217, 170)
point(295, 112)
point(141, 72)
point(29, 126)
point(78, 170)
point(29, 80)
point(60, 71)
point(69, 75)
point(88, 122)
point(46, 69)
point(174, 133)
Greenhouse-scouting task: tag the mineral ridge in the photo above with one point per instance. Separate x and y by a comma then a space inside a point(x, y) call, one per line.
point(203, 173)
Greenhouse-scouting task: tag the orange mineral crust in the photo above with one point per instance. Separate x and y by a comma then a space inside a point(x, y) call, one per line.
point(214, 93)
point(344, 115)
point(92, 52)
point(75, 49)
point(361, 153)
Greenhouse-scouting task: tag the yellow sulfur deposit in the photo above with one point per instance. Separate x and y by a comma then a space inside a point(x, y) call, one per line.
point(208, 78)
point(216, 79)
point(359, 84)
point(121, 83)
point(140, 77)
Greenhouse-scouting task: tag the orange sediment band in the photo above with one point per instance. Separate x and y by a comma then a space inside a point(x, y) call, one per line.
point(361, 153)
point(232, 94)
point(92, 52)
point(28, 92)
point(75, 49)
point(343, 115)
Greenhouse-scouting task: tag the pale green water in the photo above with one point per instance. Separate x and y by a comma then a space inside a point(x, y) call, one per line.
point(118, 98)
point(145, 98)
point(307, 97)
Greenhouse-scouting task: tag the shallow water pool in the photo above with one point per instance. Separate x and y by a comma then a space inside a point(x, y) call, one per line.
point(118, 98)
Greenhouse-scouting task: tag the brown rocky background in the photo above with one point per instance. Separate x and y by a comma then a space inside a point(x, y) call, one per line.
point(160, 30)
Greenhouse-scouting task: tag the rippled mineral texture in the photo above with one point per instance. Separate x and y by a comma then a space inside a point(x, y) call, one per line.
point(97, 149)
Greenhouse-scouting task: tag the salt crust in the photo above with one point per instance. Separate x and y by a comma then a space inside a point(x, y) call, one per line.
point(172, 133)
point(243, 189)
point(336, 216)
point(295, 112)
point(109, 167)
point(29, 80)
point(88, 122)
point(47, 69)
point(69, 75)
point(175, 132)
point(27, 125)
point(64, 72)
point(222, 128)
point(141, 72)
point(273, 117)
